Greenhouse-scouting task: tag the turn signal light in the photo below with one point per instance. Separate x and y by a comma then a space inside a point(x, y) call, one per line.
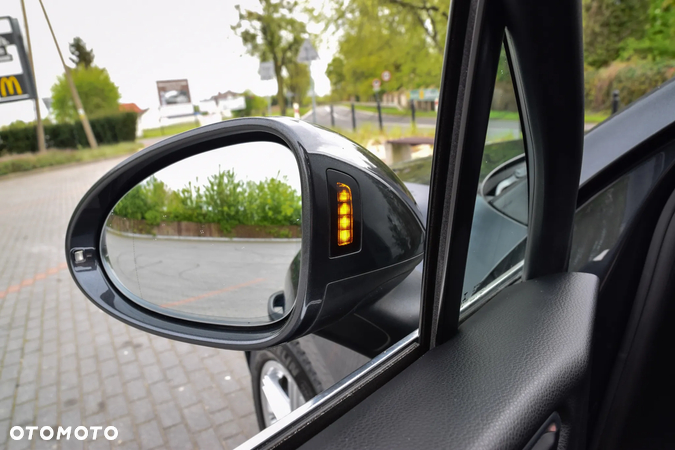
point(345, 215)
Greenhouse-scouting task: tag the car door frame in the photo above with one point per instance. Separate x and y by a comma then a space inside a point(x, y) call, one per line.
point(550, 98)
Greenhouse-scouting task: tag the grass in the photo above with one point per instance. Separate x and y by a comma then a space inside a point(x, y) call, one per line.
point(22, 163)
point(596, 117)
point(169, 130)
point(504, 115)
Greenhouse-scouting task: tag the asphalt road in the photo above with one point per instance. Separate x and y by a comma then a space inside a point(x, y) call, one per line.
point(214, 279)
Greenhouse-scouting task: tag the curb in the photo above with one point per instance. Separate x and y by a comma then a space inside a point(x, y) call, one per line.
point(197, 238)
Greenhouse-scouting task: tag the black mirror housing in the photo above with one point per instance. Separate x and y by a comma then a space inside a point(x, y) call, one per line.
point(327, 280)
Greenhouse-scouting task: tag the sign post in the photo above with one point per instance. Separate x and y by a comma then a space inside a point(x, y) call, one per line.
point(38, 117)
point(308, 54)
point(266, 72)
point(353, 117)
point(376, 88)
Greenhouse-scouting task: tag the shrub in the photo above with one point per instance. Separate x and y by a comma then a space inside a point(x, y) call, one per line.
point(119, 127)
point(223, 200)
point(632, 79)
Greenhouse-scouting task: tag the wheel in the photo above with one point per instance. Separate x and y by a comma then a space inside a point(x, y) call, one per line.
point(282, 379)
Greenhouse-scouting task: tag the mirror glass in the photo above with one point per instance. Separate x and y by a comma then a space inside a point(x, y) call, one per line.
point(211, 238)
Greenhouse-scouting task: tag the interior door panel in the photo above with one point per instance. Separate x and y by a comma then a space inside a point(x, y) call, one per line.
point(522, 357)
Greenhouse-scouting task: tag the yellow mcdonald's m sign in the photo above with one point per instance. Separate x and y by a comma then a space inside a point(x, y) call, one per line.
point(10, 86)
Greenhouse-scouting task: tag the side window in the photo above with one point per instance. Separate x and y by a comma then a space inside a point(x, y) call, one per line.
point(499, 229)
point(600, 222)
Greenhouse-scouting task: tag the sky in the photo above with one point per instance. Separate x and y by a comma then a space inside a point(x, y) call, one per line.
point(142, 41)
point(250, 161)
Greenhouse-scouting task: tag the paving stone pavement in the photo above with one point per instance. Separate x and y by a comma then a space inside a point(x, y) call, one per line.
point(64, 362)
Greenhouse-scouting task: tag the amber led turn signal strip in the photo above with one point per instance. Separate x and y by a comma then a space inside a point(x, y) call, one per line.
point(345, 215)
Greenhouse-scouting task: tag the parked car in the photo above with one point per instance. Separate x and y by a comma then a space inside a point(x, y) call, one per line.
point(539, 318)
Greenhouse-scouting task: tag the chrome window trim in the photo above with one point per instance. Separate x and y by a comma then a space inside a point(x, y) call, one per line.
point(481, 297)
point(329, 394)
point(474, 303)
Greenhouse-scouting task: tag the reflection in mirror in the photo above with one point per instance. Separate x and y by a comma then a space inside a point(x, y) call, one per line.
point(211, 238)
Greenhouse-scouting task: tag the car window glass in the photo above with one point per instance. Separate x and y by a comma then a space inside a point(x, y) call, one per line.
point(600, 223)
point(388, 106)
point(499, 229)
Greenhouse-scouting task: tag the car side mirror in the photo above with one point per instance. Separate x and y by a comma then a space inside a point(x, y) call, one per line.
point(244, 234)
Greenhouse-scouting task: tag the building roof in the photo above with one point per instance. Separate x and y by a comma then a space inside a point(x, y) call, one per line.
point(131, 107)
point(225, 95)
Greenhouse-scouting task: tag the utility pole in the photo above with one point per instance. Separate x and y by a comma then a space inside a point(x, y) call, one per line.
point(40, 129)
point(73, 90)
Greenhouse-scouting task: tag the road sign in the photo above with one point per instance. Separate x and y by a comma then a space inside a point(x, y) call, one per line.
point(424, 94)
point(376, 84)
point(16, 80)
point(386, 76)
point(266, 70)
point(307, 52)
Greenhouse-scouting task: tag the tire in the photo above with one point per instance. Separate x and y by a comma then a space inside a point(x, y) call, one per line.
point(296, 364)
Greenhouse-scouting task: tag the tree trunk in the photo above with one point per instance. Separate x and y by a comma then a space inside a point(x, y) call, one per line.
point(281, 97)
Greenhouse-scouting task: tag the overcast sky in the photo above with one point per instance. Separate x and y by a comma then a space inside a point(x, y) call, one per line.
point(142, 41)
point(250, 161)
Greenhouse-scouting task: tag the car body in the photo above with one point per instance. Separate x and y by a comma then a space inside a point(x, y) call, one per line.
point(569, 349)
point(498, 237)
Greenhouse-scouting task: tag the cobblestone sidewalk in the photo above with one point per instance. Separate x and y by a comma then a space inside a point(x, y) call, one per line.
point(65, 363)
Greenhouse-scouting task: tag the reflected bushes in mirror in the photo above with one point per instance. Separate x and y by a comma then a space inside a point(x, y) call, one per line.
point(211, 238)
point(271, 206)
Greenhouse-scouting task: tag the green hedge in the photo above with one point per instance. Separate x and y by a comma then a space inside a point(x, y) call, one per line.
point(632, 80)
point(107, 130)
point(224, 199)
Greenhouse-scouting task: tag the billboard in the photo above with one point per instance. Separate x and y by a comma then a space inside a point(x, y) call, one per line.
point(16, 80)
point(173, 92)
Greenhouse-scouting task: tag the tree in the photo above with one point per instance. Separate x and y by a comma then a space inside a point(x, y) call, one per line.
point(273, 35)
point(610, 23)
point(82, 56)
point(431, 16)
point(405, 37)
point(658, 40)
point(98, 93)
point(336, 74)
point(298, 80)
